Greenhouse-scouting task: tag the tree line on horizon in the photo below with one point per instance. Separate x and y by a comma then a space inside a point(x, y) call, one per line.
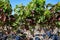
point(35, 12)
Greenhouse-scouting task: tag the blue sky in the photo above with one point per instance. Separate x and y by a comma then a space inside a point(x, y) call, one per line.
point(25, 2)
